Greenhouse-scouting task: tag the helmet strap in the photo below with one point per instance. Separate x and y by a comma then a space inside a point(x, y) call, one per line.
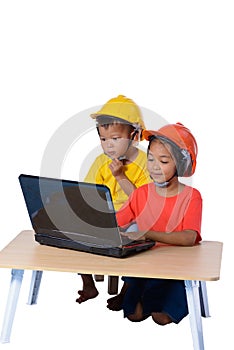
point(165, 183)
point(123, 157)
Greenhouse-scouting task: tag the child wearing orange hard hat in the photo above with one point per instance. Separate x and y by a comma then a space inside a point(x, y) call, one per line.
point(166, 211)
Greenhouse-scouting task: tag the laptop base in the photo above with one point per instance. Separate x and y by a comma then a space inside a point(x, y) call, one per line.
point(75, 245)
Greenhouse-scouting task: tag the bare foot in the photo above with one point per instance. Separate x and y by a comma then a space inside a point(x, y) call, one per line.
point(115, 303)
point(88, 292)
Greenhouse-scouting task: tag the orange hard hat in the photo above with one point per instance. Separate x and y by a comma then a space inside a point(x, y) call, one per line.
point(180, 136)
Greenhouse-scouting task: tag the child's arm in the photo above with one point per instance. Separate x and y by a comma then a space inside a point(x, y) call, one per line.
point(116, 168)
point(182, 238)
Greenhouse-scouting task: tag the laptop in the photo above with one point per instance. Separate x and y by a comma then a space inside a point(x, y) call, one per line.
point(76, 215)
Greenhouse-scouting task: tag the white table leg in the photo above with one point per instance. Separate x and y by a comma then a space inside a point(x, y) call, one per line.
point(34, 287)
point(13, 295)
point(193, 298)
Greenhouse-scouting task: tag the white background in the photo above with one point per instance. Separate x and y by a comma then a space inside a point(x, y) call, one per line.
point(62, 57)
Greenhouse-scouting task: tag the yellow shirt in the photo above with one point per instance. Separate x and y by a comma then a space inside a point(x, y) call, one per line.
point(136, 172)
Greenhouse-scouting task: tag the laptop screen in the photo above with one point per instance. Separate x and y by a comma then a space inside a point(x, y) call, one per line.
point(76, 210)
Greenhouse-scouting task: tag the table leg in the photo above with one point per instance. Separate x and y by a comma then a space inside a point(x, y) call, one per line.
point(13, 295)
point(205, 312)
point(34, 287)
point(193, 298)
point(99, 278)
point(113, 283)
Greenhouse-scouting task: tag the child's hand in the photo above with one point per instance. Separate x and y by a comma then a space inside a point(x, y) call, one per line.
point(134, 235)
point(116, 167)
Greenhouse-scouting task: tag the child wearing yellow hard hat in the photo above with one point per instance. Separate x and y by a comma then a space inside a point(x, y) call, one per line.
point(121, 166)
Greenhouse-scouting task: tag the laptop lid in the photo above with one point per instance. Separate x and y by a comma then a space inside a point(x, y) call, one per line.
point(75, 210)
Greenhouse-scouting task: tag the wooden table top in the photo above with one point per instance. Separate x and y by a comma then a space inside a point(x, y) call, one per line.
point(201, 262)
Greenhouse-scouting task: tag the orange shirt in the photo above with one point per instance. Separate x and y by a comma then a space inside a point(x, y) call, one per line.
point(153, 212)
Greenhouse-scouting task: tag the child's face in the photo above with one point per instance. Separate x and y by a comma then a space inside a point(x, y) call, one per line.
point(114, 140)
point(160, 163)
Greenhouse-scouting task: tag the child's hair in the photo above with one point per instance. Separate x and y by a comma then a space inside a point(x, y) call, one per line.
point(107, 121)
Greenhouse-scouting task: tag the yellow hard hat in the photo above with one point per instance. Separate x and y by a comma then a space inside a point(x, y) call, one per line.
point(123, 108)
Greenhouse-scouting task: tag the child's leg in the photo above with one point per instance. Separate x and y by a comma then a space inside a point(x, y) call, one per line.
point(165, 300)
point(161, 318)
point(132, 301)
point(137, 316)
point(89, 290)
point(175, 302)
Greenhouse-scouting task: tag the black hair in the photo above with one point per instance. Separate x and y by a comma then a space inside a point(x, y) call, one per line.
point(105, 121)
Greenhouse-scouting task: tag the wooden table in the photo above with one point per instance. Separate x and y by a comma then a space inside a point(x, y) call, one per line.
point(194, 265)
